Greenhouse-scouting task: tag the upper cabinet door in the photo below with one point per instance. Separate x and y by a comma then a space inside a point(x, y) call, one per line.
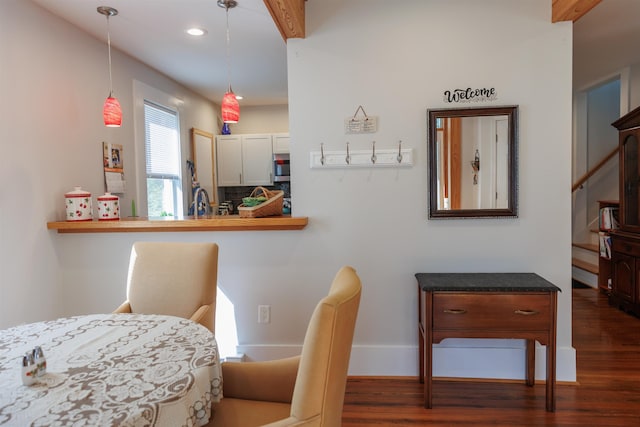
point(281, 143)
point(229, 148)
point(257, 160)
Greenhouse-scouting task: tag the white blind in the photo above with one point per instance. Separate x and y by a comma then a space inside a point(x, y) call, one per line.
point(162, 143)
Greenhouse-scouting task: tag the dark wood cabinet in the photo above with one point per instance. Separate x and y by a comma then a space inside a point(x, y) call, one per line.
point(487, 305)
point(625, 242)
point(624, 269)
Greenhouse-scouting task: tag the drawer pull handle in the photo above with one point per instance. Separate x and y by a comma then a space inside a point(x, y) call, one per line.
point(455, 310)
point(526, 312)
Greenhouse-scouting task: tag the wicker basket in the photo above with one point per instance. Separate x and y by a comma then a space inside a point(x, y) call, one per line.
point(273, 205)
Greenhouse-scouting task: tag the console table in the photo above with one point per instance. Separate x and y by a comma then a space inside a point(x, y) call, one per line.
point(487, 305)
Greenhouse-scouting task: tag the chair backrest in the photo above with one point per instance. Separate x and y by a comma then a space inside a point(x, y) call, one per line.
point(318, 396)
point(173, 278)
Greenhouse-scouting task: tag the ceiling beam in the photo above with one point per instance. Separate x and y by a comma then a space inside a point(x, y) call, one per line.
point(288, 16)
point(570, 10)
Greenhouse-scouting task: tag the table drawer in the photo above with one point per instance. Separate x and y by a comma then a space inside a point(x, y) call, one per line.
point(495, 311)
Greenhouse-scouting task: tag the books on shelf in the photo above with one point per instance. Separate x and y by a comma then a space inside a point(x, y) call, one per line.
point(605, 245)
point(608, 218)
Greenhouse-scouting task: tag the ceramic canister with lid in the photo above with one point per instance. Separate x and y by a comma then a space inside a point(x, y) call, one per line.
point(78, 204)
point(108, 207)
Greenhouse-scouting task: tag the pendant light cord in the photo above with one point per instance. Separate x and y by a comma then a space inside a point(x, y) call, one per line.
point(228, 52)
point(109, 46)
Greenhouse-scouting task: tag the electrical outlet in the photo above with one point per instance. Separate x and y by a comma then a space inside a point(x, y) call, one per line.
point(264, 313)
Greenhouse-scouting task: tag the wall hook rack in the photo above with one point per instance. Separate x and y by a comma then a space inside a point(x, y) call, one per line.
point(374, 158)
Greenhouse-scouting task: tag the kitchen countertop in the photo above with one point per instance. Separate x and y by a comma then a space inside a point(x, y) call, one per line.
point(212, 223)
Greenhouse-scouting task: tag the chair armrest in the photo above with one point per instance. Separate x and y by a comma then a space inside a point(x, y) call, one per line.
point(201, 313)
point(271, 381)
point(125, 307)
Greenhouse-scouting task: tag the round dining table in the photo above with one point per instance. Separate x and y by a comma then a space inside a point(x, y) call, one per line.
point(111, 370)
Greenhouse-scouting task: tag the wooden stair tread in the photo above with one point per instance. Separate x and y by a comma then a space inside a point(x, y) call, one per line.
point(588, 246)
point(585, 265)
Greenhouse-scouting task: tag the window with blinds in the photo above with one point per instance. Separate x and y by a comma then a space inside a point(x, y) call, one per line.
point(162, 154)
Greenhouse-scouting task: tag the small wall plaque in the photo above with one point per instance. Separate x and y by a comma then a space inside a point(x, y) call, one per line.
point(366, 124)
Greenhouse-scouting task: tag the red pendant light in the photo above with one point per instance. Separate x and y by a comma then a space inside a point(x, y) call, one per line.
point(111, 111)
point(230, 108)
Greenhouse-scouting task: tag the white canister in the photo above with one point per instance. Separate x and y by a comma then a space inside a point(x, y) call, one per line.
point(78, 203)
point(108, 207)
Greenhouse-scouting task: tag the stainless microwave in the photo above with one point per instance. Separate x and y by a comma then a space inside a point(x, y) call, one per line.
point(281, 167)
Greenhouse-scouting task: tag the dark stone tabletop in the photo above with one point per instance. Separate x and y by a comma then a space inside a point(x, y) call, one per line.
point(484, 282)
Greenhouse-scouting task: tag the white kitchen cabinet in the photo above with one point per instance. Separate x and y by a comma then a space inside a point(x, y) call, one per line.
point(257, 160)
point(244, 160)
point(281, 143)
point(229, 159)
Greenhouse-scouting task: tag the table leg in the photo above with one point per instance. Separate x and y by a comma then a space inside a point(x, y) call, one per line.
point(551, 357)
point(420, 337)
point(428, 348)
point(530, 362)
point(421, 355)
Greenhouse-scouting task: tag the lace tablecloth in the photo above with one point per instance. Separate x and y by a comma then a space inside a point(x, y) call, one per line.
point(111, 370)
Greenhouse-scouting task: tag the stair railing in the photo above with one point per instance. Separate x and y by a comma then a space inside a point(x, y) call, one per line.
point(586, 176)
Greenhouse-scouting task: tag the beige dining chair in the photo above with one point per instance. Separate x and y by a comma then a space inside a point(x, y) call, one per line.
point(173, 278)
point(306, 390)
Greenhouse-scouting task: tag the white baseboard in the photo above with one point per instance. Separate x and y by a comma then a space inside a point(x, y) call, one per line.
point(494, 359)
point(234, 358)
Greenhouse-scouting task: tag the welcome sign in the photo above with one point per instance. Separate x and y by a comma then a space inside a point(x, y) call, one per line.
point(470, 95)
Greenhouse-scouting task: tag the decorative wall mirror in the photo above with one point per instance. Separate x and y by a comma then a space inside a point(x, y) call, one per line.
point(473, 162)
point(203, 151)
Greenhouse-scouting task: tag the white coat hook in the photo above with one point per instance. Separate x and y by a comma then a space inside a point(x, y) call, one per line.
point(373, 156)
point(348, 158)
point(399, 158)
point(322, 158)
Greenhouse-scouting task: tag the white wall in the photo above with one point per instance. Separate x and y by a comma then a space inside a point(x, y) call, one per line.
point(396, 63)
point(603, 105)
point(53, 81)
point(262, 119)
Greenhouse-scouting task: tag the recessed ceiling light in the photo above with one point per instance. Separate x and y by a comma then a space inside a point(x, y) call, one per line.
point(196, 32)
point(239, 97)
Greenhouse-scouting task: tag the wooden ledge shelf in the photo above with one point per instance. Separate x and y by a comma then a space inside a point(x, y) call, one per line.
point(218, 223)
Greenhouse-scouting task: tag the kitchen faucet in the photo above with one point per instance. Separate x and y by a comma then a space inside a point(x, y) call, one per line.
point(207, 206)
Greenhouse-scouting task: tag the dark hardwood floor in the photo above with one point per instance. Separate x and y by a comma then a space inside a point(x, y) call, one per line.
point(607, 392)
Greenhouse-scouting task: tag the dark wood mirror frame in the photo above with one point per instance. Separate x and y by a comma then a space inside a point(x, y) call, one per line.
point(512, 162)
